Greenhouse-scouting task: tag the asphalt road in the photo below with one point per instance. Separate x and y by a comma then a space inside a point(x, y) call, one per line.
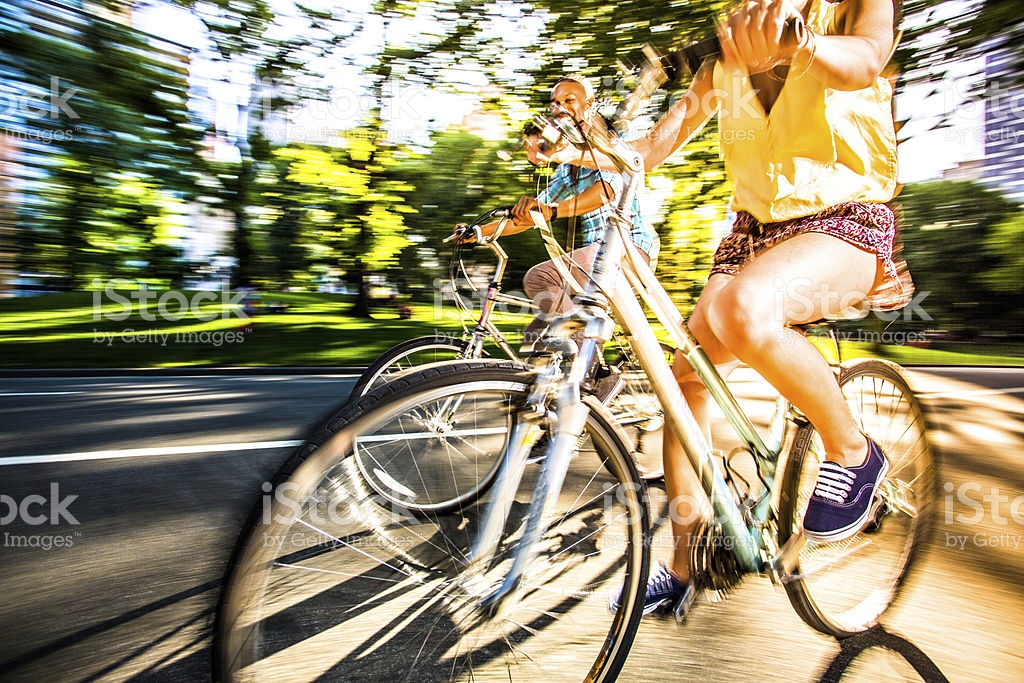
point(112, 572)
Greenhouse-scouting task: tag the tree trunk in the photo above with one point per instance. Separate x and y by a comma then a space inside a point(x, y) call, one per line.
point(361, 307)
point(241, 247)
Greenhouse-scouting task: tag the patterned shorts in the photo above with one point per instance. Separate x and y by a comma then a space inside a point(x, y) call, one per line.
point(871, 227)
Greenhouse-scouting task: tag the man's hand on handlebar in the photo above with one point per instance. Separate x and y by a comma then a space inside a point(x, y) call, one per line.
point(521, 211)
point(462, 233)
point(467, 233)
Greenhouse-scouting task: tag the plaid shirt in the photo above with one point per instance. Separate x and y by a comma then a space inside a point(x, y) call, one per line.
point(568, 181)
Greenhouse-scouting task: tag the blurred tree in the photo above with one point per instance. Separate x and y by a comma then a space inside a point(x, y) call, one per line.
point(949, 234)
point(265, 50)
point(696, 217)
point(941, 33)
point(352, 206)
point(591, 37)
point(1007, 274)
point(458, 178)
point(96, 100)
point(287, 259)
point(403, 43)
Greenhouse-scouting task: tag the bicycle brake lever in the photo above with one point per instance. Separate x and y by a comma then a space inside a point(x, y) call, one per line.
point(452, 237)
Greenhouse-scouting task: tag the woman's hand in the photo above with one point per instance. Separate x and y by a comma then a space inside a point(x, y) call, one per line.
point(752, 38)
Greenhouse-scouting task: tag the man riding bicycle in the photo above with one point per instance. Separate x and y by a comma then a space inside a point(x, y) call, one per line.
point(572, 192)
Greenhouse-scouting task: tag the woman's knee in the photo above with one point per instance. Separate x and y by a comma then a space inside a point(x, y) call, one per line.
point(742, 318)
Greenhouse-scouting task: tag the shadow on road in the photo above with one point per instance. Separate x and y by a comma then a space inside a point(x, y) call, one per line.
point(854, 646)
point(103, 627)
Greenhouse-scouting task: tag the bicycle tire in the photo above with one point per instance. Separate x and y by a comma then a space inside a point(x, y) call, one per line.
point(376, 595)
point(394, 477)
point(843, 588)
point(635, 406)
point(407, 355)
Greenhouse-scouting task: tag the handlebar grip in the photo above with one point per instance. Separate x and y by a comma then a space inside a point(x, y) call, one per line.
point(688, 58)
point(464, 229)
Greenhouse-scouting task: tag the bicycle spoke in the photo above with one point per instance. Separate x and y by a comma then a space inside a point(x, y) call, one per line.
point(368, 589)
point(842, 588)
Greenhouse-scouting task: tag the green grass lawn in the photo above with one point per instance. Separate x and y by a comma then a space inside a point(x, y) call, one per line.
point(66, 331)
point(306, 329)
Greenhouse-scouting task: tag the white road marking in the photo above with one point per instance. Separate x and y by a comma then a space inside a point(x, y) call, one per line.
point(968, 393)
point(147, 452)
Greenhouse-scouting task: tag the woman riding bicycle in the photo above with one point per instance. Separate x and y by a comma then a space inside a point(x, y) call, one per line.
point(808, 138)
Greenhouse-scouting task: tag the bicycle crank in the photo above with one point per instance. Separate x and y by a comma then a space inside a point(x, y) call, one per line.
point(715, 567)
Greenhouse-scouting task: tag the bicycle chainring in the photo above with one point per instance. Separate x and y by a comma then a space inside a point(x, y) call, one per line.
point(715, 567)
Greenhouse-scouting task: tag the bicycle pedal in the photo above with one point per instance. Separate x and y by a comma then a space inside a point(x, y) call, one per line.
point(608, 387)
point(875, 516)
point(681, 607)
point(539, 450)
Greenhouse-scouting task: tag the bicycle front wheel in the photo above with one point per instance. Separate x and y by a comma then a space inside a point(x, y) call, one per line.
point(333, 582)
point(843, 588)
point(406, 356)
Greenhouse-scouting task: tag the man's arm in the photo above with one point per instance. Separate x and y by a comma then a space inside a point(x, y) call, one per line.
point(488, 229)
point(682, 121)
point(592, 198)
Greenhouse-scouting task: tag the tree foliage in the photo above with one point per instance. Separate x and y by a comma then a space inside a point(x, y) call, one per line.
point(96, 103)
point(940, 33)
point(954, 234)
point(368, 204)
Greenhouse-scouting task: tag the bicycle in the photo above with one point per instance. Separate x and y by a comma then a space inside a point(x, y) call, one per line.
point(424, 350)
point(631, 399)
point(513, 581)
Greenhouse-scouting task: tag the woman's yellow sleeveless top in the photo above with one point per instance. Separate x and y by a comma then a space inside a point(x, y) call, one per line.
point(818, 147)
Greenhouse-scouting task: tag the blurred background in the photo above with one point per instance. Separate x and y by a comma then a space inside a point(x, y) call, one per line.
point(328, 147)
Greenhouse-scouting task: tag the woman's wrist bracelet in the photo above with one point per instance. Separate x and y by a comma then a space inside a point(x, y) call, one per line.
point(812, 44)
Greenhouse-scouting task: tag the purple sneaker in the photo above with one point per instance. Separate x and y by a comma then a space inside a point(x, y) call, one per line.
point(841, 502)
point(664, 593)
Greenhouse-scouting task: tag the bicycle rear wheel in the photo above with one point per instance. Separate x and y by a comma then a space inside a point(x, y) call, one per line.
point(637, 410)
point(843, 588)
point(333, 581)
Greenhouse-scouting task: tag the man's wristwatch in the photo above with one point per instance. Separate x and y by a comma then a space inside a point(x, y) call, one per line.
point(554, 210)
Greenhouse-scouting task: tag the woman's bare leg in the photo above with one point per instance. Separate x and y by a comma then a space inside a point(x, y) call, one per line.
point(681, 484)
point(800, 280)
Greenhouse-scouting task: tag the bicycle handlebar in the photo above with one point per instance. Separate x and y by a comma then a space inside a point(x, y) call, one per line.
point(502, 213)
point(656, 70)
point(689, 57)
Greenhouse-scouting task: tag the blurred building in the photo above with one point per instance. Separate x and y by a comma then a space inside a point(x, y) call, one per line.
point(1001, 134)
point(7, 222)
point(39, 102)
point(1004, 115)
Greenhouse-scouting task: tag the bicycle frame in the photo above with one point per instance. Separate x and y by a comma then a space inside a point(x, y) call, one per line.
point(485, 327)
point(753, 549)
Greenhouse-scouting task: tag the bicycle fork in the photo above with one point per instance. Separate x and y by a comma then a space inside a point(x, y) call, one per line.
point(569, 424)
